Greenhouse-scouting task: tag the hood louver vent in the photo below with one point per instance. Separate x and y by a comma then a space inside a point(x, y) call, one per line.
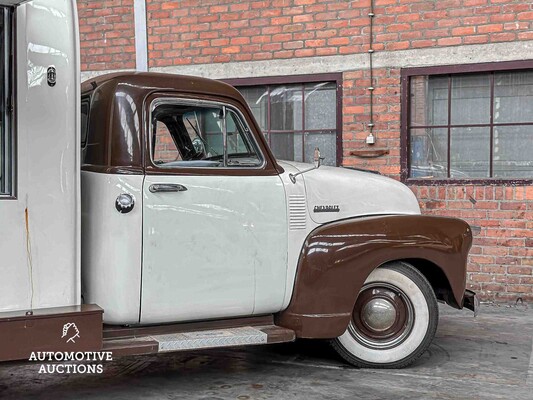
point(297, 212)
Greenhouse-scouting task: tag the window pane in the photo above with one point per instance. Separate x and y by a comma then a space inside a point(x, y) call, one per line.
point(188, 135)
point(326, 142)
point(286, 108)
point(513, 152)
point(513, 97)
point(6, 162)
point(429, 100)
point(287, 146)
point(470, 99)
point(165, 148)
point(85, 104)
point(429, 152)
point(320, 106)
point(470, 152)
point(257, 99)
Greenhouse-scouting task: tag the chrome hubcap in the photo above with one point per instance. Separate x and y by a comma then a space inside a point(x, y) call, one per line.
point(383, 316)
point(379, 314)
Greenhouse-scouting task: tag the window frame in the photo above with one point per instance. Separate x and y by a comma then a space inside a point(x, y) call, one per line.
point(8, 191)
point(405, 139)
point(85, 99)
point(158, 101)
point(334, 77)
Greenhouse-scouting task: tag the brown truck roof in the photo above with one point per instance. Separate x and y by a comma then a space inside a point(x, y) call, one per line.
point(148, 81)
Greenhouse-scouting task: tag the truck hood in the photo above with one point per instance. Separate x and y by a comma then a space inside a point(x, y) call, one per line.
point(335, 193)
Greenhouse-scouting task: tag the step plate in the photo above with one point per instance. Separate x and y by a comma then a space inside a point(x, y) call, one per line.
point(209, 339)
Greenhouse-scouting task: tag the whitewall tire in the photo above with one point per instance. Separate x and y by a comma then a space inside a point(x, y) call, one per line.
point(394, 319)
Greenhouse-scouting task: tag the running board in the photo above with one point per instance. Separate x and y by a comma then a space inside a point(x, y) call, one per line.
point(194, 340)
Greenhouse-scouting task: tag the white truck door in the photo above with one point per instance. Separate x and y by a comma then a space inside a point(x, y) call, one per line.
point(214, 224)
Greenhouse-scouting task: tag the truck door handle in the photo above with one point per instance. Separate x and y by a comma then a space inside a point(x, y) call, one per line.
point(167, 187)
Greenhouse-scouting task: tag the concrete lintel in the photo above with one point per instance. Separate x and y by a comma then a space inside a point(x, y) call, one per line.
point(453, 55)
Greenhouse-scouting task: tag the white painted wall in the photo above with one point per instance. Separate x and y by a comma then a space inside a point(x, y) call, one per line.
point(46, 273)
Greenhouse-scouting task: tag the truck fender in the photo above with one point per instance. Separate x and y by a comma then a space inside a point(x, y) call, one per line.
point(337, 258)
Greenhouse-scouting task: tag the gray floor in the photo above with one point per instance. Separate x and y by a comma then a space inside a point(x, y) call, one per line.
point(484, 358)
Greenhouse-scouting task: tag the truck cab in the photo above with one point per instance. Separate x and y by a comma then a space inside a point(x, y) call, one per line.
point(187, 216)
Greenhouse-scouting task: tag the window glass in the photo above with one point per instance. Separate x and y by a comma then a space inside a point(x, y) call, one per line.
point(165, 148)
point(488, 132)
point(287, 146)
point(320, 106)
point(85, 105)
point(297, 118)
point(429, 101)
point(257, 99)
point(286, 108)
point(513, 97)
point(469, 152)
point(470, 99)
point(190, 135)
point(429, 152)
point(513, 151)
point(325, 141)
point(6, 145)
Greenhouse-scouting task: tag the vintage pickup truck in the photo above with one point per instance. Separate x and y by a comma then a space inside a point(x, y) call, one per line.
point(192, 234)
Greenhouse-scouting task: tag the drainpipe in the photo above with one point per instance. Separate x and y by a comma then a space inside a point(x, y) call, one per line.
point(371, 139)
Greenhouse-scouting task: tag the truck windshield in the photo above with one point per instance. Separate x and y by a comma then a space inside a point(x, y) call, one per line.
point(192, 136)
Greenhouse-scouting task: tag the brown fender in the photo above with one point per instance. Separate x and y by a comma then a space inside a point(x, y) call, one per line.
point(338, 257)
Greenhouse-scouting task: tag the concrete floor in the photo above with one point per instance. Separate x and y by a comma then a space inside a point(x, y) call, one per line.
point(489, 357)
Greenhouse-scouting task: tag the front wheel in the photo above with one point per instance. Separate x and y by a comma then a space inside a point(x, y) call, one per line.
point(394, 319)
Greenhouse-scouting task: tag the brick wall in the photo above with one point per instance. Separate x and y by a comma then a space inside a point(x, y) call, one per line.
point(107, 34)
point(501, 260)
point(213, 31)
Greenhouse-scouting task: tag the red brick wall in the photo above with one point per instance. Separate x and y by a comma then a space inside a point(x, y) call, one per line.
point(211, 31)
point(501, 261)
point(107, 34)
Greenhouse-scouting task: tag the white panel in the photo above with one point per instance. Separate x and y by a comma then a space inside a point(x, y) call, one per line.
point(356, 193)
point(111, 246)
point(46, 272)
point(211, 251)
point(295, 193)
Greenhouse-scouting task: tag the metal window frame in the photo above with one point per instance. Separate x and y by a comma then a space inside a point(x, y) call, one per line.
point(450, 70)
point(8, 140)
point(268, 81)
point(204, 103)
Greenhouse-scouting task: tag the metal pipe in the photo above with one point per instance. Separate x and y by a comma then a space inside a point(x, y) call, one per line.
point(141, 38)
point(371, 138)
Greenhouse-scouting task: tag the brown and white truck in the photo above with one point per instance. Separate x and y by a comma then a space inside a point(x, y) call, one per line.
point(145, 213)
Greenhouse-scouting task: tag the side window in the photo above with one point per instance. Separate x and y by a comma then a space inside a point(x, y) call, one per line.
point(165, 148)
point(85, 108)
point(195, 135)
point(6, 132)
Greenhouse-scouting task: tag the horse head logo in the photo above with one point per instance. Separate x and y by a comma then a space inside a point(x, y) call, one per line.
point(74, 332)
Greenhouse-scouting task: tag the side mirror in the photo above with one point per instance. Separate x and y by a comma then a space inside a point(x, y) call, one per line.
point(318, 160)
